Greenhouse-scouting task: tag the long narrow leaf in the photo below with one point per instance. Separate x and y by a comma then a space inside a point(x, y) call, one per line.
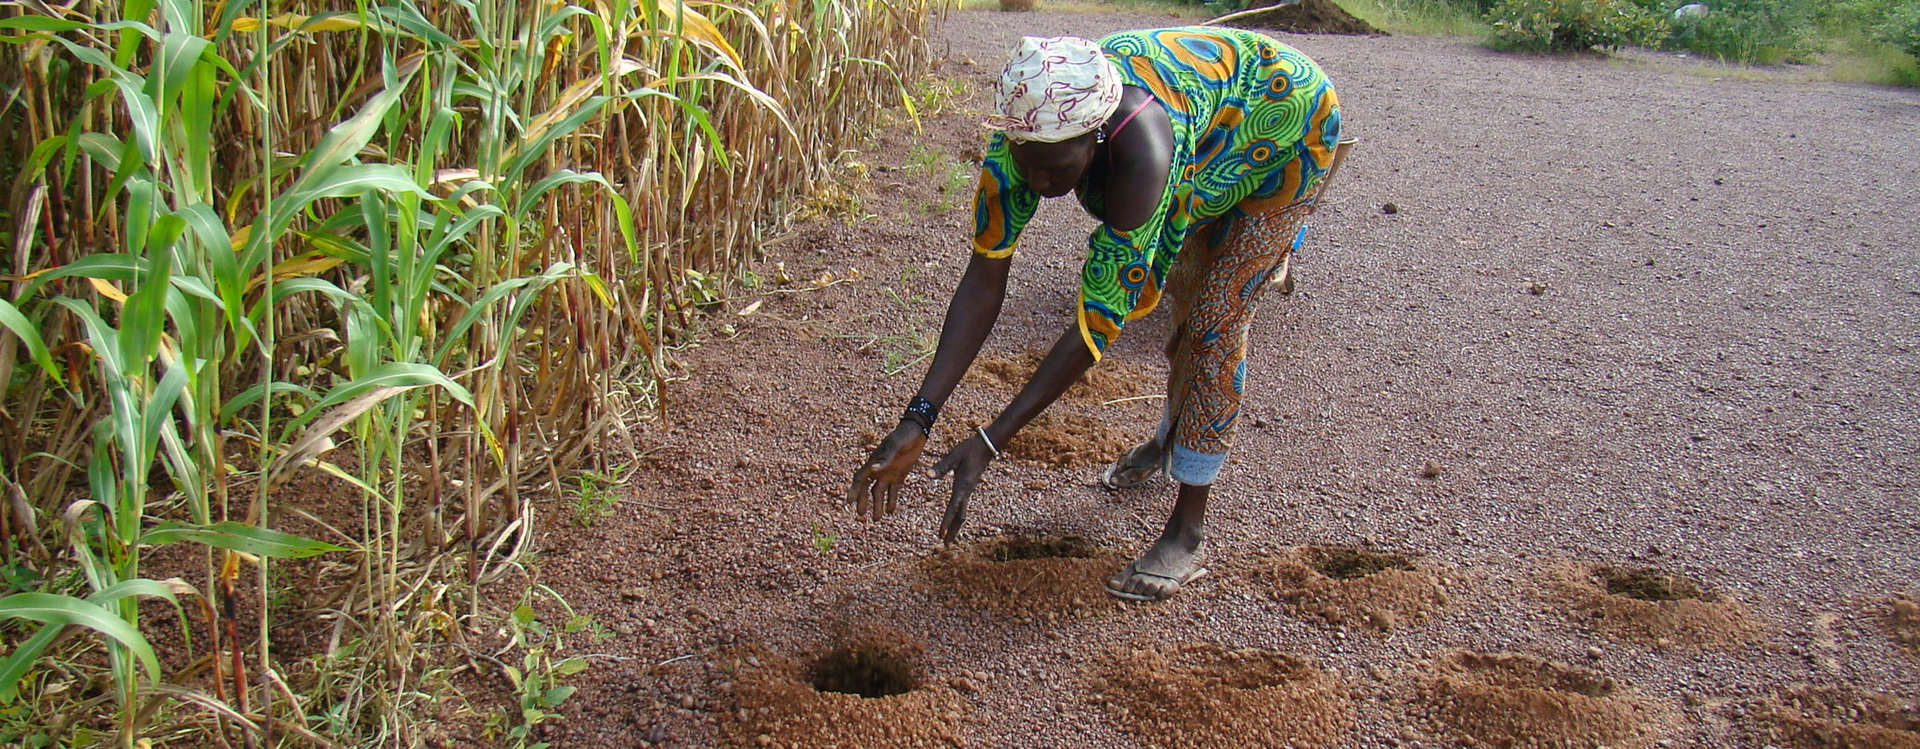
point(239, 537)
point(58, 609)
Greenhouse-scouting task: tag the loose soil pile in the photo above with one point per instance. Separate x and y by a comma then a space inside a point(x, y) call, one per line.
point(1836, 718)
point(1652, 605)
point(1307, 17)
point(868, 691)
point(1518, 701)
point(1904, 621)
point(1025, 576)
point(1071, 440)
point(1106, 381)
point(1350, 586)
point(1203, 696)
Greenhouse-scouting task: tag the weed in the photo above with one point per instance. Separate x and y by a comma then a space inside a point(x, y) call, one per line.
point(822, 540)
point(593, 496)
point(537, 680)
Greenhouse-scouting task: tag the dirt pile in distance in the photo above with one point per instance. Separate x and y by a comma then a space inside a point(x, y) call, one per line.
point(1025, 576)
point(1652, 605)
point(1306, 17)
point(1804, 717)
point(1348, 586)
point(1203, 696)
point(866, 691)
point(1522, 702)
point(1904, 622)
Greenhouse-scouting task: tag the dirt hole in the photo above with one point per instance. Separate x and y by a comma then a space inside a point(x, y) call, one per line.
point(1025, 576)
point(1205, 696)
point(1018, 548)
point(1349, 586)
point(1515, 700)
point(1808, 717)
point(1652, 605)
point(869, 669)
point(1521, 672)
point(1347, 563)
point(1648, 584)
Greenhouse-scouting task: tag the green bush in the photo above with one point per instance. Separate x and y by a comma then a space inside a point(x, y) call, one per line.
point(1900, 27)
point(1571, 25)
point(1766, 31)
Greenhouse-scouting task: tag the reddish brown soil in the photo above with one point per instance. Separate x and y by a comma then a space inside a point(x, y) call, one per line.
point(1653, 605)
point(1307, 17)
point(1522, 702)
point(1805, 717)
point(1903, 621)
point(1379, 591)
point(1026, 577)
point(1204, 696)
point(1718, 376)
point(866, 691)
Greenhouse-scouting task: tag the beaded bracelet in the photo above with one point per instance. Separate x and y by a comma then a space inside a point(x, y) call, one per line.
point(921, 411)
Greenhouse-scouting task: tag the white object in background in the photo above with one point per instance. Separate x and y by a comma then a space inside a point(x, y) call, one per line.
point(1691, 10)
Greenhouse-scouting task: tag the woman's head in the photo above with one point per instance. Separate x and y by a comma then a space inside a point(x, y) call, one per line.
point(1051, 97)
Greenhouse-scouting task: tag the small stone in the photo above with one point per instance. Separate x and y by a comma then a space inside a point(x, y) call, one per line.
point(1594, 652)
point(763, 740)
point(634, 594)
point(687, 702)
point(965, 685)
point(1430, 470)
point(1390, 209)
point(1537, 288)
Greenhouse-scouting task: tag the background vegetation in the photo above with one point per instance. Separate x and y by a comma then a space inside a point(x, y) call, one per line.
point(434, 250)
point(1868, 40)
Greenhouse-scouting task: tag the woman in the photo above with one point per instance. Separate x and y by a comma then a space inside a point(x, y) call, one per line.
point(1201, 150)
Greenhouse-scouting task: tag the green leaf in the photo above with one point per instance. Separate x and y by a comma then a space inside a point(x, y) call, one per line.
point(570, 666)
point(239, 537)
point(16, 664)
point(557, 695)
point(18, 323)
point(58, 609)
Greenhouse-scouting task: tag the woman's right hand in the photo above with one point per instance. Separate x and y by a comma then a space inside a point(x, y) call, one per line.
point(876, 486)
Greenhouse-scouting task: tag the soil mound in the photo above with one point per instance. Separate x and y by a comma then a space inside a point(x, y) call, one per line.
point(1305, 17)
point(1071, 440)
point(1653, 605)
point(1106, 381)
point(1806, 717)
point(1351, 586)
point(1025, 576)
point(1518, 701)
point(1203, 696)
point(1904, 622)
point(867, 691)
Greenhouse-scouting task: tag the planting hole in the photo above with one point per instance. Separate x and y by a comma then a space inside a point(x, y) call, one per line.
point(1651, 585)
point(1506, 671)
point(1017, 548)
point(868, 669)
point(1346, 563)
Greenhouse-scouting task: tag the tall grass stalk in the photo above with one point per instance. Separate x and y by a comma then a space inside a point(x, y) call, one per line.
point(453, 237)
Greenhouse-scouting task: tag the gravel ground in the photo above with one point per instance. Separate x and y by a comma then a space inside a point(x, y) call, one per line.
point(1635, 313)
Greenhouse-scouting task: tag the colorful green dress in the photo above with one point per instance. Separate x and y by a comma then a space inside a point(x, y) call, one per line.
point(1255, 123)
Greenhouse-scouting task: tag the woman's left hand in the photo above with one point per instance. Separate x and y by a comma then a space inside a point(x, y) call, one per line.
point(968, 462)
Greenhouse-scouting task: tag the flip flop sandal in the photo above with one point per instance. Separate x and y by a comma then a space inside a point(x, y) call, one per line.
point(1110, 478)
point(1179, 583)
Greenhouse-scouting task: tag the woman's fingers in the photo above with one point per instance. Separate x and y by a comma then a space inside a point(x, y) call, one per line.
point(956, 512)
point(893, 498)
point(857, 494)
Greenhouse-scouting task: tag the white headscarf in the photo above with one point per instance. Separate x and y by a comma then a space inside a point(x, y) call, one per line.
point(1054, 89)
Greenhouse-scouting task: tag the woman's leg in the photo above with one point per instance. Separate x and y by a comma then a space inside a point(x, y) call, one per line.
point(1207, 353)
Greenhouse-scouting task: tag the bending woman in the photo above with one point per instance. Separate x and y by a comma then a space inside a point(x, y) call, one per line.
point(1201, 151)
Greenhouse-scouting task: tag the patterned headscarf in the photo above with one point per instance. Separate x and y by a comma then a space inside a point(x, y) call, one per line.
point(1054, 89)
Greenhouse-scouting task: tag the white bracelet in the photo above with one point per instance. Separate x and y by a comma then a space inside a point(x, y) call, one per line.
point(989, 441)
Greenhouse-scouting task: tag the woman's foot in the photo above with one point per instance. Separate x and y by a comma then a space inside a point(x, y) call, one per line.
point(1173, 562)
point(1135, 467)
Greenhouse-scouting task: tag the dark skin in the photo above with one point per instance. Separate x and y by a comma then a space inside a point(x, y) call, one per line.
point(1129, 171)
